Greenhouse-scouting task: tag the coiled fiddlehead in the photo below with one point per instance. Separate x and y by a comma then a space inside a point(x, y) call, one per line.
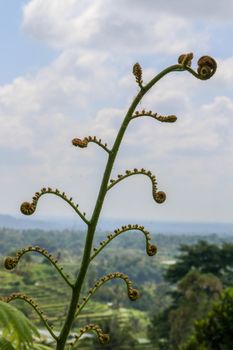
point(206, 66)
point(133, 293)
point(29, 208)
point(11, 262)
point(160, 118)
point(186, 59)
point(159, 196)
point(84, 143)
point(103, 337)
point(151, 249)
point(35, 306)
point(137, 72)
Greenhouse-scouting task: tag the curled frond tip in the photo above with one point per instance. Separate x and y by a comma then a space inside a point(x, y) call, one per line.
point(27, 208)
point(206, 66)
point(151, 250)
point(80, 143)
point(186, 59)
point(103, 337)
point(160, 197)
point(10, 262)
point(84, 143)
point(133, 294)
point(137, 72)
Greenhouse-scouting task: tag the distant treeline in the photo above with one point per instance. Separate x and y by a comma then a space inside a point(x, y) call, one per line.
point(73, 241)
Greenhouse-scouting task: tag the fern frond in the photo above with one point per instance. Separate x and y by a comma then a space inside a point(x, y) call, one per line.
point(103, 337)
point(5, 345)
point(160, 118)
point(159, 196)
point(16, 328)
point(34, 305)
point(151, 249)
point(84, 143)
point(133, 293)
point(11, 262)
point(28, 208)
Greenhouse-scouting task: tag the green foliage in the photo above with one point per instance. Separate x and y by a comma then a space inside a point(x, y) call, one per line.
point(17, 330)
point(194, 298)
point(206, 257)
point(158, 330)
point(122, 336)
point(215, 332)
point(5, 344)
point(191, 300)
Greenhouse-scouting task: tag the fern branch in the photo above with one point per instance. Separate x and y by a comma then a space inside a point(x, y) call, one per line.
point(5, 344)
point(84, 143)
point(159, 196)
point(29, 208)
point(137, 72)
point(160, 118)
point(151, 249)
point(206, 66)
point(133, 293)
point(15, 327)
point(103, 337)
point(11, 262)
point(34, 305)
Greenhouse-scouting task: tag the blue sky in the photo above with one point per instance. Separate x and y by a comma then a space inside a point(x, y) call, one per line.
point(66, 72)
point(20, 54)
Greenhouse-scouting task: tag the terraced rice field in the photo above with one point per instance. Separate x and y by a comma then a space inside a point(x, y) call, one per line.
point(53, 296)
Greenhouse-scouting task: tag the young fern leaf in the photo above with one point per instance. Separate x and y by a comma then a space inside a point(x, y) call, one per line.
point(16, 328)
point(186, 59)
point(34, 305)
point(206, 66)
point(11, 262)
point(103, 337)
point(5, 344)
point(151, 249)
point(133, 293)
point(160, 118)
point(29, 208)
point(137, 72)
point(159, 196)
point(84, 143)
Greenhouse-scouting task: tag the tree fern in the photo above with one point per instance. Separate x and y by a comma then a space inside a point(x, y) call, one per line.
point(206, 69)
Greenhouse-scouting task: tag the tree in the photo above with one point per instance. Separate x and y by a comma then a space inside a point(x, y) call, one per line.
point(206, 257)
point(192, 299)
point(215, 332)
point(17, 331)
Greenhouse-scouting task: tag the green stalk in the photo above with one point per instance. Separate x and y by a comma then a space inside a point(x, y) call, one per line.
point(99, 204)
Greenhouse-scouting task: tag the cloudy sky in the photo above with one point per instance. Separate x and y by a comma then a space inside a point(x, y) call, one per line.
point(66, 71)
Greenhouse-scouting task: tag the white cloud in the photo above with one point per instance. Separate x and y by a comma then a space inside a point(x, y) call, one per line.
point(86, 90)
point(110, 26)
point(224, 74)
point(64, 21)
point(198, 9)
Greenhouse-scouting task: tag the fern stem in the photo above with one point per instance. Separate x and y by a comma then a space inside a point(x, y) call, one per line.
point(99, 203)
